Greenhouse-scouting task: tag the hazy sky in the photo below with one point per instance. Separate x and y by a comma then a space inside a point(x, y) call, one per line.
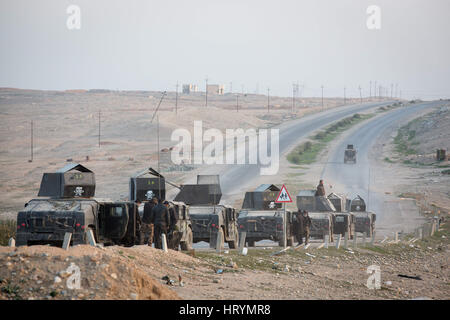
point(139, 44)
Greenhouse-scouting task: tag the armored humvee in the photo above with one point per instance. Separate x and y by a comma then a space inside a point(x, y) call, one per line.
point(266, 225)
point(306, 200)
point(364, 221)
point(68, 205)
point(343, 222)
point(206, 214)
point(321, 225)
point(145, 188)
point(321, 210)
point(350, 154)
point(262, 218)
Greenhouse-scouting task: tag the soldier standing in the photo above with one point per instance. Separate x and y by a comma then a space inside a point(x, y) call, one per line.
point(306, 226)
point(147, 229)
point(320, 192)
point(298, 226)
point(162, 222)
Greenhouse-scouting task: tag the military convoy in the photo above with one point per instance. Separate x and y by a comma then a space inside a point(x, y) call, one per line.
point(66, 203)
point(263, 219)
point(336, 214)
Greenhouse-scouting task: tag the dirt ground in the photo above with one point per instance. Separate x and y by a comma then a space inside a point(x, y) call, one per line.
point(138, 272)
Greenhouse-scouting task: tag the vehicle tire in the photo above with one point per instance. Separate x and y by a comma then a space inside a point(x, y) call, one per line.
point(187, 245)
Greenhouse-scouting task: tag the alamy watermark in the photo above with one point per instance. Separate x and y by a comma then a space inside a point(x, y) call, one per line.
point(258, 149)
point(74, 281)
point(374, 19)
point(73, 22)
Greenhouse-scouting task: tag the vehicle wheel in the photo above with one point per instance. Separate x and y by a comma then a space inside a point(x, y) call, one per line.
point(187, 245)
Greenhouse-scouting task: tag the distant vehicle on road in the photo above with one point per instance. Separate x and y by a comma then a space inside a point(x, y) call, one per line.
point(350, 154)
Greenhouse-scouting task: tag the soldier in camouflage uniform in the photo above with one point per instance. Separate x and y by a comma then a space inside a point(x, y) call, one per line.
point(306, 226)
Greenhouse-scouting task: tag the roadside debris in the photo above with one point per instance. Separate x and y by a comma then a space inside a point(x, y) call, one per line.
point(410, 277)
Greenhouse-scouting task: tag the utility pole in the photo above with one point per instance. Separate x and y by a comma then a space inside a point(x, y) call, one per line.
point(293, 97)
point(322, 97)
point(242, 89)
point(392, 90)
point(360, 94)
point(345, 98)
point(375, 90)
point(157, 137)
point(268, 99)
point(237, 103)
point(176, 99)
point(159, 169)
point(206, 91)
point(31, 141)
point(231, 87)
point(370, 90)
point(99, 117)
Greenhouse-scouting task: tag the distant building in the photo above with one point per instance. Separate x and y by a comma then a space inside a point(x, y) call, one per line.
point(189, 88)
point(216, 89)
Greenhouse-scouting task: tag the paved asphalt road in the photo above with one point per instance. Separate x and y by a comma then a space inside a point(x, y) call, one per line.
point(236, 179)
point(353, 179)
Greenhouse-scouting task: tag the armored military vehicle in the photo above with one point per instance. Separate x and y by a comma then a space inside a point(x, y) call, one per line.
point(343, 221)
point(207, 215)
point(266, 225)
point(320, 209)
point(144, 188)
point(321, 225)
point(306, 200)
point(350, 154)
point(184, 224)
point(364, 221)
point(67, 204)
point(262, 218)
